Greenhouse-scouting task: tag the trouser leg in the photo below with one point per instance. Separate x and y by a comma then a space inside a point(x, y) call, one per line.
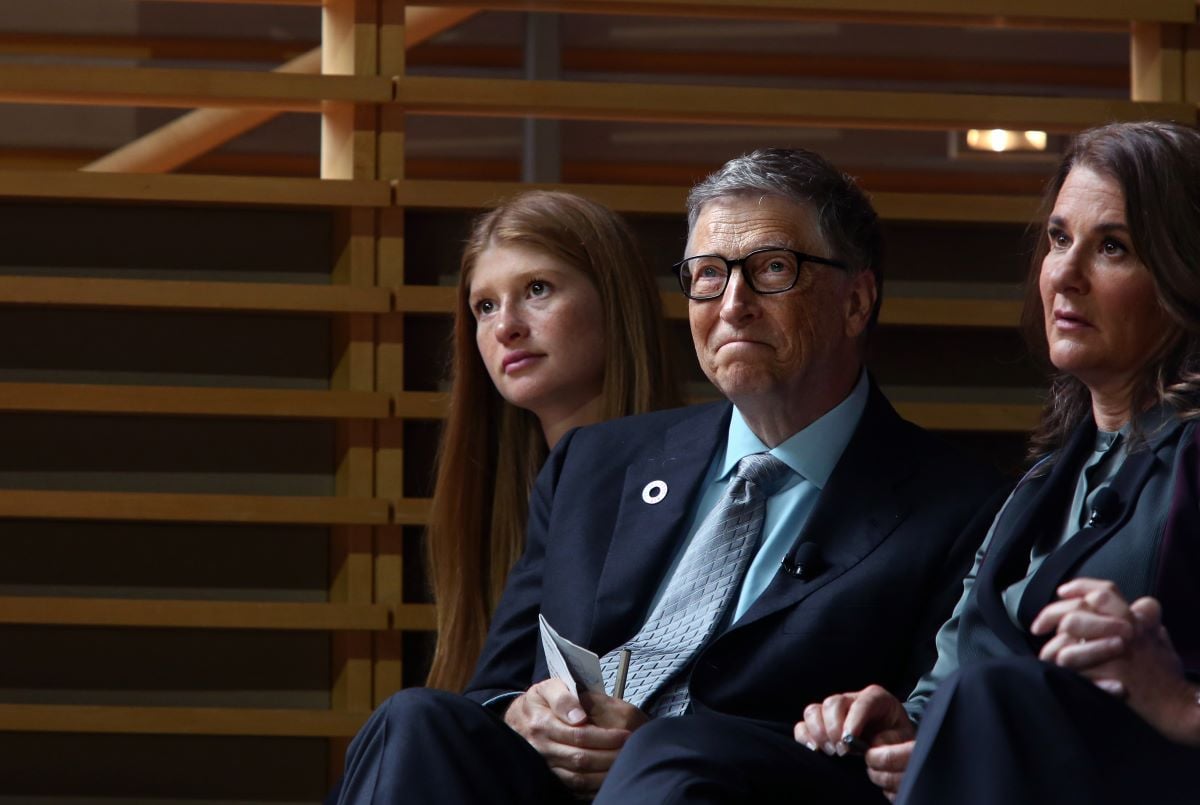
point(1017, 730)
point(710, 758)
point(428, 746)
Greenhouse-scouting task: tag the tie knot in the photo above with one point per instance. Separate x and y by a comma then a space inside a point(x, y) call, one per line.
point(764, 471)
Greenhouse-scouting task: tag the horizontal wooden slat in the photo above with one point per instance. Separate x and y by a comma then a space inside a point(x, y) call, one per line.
point(955, 207)
point(179, 720)
point(423, 299)
point(768, 106)
point(410, 511)
point(630, 61)
point(848, 67)
point(190, 400)
point(1151, 10)
point(958, 207)
point(226, 190)
point(996, 417)
point(191, 614)
point(191, 295)
point(939, 312)
point(141, 48)
point(143, 86)
point(434, 194)
point(414, 617)
point(420, 404)
point(169, 507)
point(248, 2)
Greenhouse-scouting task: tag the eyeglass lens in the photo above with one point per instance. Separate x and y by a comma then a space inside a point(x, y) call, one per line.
point(767, 271)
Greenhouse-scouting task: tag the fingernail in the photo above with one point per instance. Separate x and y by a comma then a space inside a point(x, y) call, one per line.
point(576, 716)
point(829, 750)
point(812, 746)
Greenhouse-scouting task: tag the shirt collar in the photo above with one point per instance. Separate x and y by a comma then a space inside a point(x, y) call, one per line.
point(812, 452)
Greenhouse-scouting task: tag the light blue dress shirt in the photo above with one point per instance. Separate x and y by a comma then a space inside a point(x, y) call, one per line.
point(811, 453)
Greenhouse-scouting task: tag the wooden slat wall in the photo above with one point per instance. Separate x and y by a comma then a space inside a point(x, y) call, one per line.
point(370, 303)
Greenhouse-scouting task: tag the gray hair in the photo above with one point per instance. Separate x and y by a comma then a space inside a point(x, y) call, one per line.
point(845, 217)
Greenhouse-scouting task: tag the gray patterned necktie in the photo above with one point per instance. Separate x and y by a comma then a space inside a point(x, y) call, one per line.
point(707, 578)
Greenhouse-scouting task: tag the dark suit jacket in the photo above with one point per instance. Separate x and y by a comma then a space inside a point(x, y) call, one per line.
point(891, 524)
point(1148, 545)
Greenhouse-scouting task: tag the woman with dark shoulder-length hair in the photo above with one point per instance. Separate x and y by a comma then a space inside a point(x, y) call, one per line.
point(1069, 670)
point(557, 324)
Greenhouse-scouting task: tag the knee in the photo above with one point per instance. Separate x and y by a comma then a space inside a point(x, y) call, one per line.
point(415, 711)
point(417, 706)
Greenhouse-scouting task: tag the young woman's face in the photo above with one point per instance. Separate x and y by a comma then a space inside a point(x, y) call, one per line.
point(539, 329)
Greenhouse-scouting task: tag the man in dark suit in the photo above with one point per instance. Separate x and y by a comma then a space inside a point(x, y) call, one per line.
point(743, 593)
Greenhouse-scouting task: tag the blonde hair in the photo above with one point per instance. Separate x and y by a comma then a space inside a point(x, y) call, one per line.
point(477, 524)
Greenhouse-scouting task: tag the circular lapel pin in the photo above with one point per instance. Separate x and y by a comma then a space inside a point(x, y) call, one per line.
point(654, 492)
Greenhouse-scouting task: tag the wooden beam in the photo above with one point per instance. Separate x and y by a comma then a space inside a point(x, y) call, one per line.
point(436, 194)
point(971, 417)
point(1062, 14)
point(315, 3)
point(1024, 180)
point(956, 207)
point(861, 66)
point(767, 106)
point(203, 130)
point(950, 312)
point(38, 504)
point(419, 404)
point(855, 66)
point(423, 299)
point(413, 617)
point(179, 720)
point(192, 401)
point(1156, 62)
point(266, 297)
point(169, 614)
point(226, 190)
point(410, 511)
point(144, 48)
point(197, 132)
point(145, 86)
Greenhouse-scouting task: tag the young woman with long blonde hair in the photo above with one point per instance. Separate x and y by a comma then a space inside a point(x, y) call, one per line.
point(557, 324)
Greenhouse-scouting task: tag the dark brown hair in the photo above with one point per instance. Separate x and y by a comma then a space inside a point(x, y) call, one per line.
point(477, 522)
point(1157, 167)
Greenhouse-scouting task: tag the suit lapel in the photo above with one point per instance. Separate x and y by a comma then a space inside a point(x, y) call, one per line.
point(1008, 555)
point(1059, 565)
point(646, 535)
point(856, 511)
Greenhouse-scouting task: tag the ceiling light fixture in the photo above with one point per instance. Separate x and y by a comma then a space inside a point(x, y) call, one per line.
point(1001, 140)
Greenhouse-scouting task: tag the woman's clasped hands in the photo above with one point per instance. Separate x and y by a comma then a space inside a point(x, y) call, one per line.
point(1124, 649)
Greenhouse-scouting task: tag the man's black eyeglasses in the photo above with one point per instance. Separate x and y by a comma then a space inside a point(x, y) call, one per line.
point(766, 271)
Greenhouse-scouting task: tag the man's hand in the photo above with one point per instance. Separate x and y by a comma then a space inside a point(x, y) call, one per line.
point(579, 749)
point(1125, 650)
point(872, 715)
